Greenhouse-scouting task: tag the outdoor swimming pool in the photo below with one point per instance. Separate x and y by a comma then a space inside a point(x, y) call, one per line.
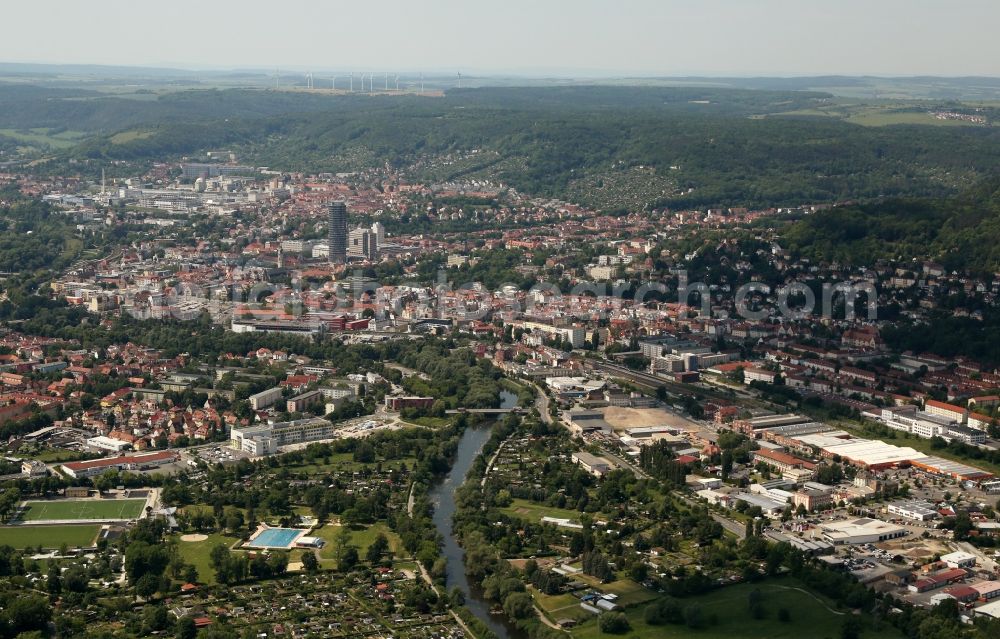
point(274, 538)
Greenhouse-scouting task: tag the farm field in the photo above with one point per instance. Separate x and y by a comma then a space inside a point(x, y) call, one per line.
point(44, 137)
point(68, 509)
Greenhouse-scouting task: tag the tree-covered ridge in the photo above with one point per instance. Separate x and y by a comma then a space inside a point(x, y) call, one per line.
point(957, 232)
point(697, 146)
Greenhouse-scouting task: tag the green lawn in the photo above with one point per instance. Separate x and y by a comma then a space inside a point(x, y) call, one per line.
point(531, 511)
point(343, 462)
point(727, 616)
point(54, 455)
point(361, 538)
point(48, 536)
point(428, 422)
point(198, 553)
point(65, 509)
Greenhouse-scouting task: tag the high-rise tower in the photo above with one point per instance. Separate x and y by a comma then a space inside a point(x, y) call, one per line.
point(338, 232)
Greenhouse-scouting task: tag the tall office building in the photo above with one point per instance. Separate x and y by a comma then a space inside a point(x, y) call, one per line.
point(362, 242)
point(338, 232)
point(379, 230)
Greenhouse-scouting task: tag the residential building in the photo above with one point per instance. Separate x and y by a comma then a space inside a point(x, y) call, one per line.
point(265, 399)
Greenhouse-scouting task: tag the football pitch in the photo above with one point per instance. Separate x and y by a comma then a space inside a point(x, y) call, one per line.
point(82, 509)
point(48, 536)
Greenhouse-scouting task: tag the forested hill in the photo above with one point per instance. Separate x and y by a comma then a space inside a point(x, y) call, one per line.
point(94, 112)
point(611, 147)
point(959, 232)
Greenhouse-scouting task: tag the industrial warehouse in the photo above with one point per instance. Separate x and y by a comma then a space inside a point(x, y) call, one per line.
point(809, 438)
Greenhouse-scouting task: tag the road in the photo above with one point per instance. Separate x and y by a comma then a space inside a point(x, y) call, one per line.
point(489, 466)
point(542, 403)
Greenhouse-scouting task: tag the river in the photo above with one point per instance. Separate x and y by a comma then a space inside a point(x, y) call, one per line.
point(442, 496)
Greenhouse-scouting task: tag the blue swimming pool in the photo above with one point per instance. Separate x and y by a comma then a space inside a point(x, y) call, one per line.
point(274, 538)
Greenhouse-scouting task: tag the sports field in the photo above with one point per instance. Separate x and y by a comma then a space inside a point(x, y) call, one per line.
point(48, 536)
point(70, 509)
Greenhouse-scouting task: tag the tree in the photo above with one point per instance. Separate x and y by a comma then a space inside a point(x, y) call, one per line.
point(693, 616)
point(364, 453)
point(155, 618)
point(519, 605)
point(147, 585)
point(378, 547)
point(26, 613)
point(963, 526)
point(75, 579)
point(53, 582)
point(142, 558)
point(850, 629)
point(348, 559)
point(638, 572)
point(309, 562)
point(186, 629)
point(665, 610)
point(727, 463)
point(614, 623)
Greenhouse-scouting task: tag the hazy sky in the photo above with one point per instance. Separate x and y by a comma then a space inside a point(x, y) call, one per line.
point(641, 37)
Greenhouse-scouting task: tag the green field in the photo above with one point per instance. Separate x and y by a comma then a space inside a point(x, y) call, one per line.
point(531, 511)
point(874, 115)
point(726, 614)
point(340, 462)
point(67, 509)
point(44, 137)
point(360, 538)
point(198, 554)
point(48, 536)
point(890, 117)
point(129, 136)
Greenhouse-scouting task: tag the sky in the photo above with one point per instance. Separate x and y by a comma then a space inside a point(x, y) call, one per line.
point(522, 37)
